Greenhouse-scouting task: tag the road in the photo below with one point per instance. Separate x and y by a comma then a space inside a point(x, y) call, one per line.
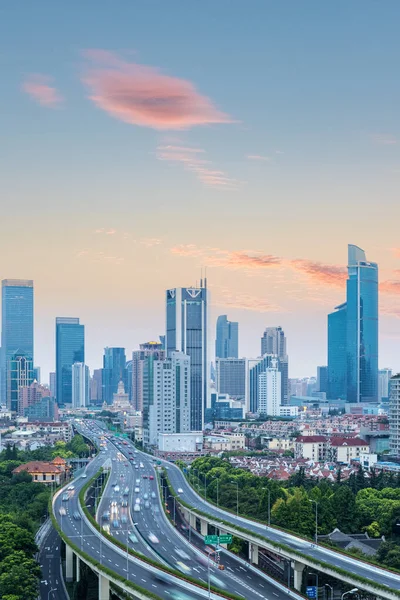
point(50, 562)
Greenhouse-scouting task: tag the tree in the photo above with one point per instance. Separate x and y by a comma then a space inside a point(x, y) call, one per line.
point(295, 513)
point(343, 504)
point(389, 555)
point(19, 576)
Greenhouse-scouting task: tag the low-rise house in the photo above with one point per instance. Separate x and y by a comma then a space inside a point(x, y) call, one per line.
point(50, 473)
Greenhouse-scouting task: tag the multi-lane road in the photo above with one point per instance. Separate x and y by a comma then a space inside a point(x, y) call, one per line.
point(49, 558)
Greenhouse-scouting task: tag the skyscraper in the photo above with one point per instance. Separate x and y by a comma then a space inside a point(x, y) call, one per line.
point(80, 385)
point(52, 384)
point(269, 383)
point(337, 358)
point(70, 348)
point(384, 377)
point(256, 367)
point(273, 341)
point(362, 327)
point(17, 329)
point(96, 387)
point(227, 338)
point(231, 377)
point(19, 370)
point(154, 349)
point(114, 371)
point(394, 416)
point(322, 378)
point(187, 314)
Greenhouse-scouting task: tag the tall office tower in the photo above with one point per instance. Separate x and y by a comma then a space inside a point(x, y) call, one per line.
point(362, 327)
point(337, 358)
point(70, 348)
point(273, 341)
point(162, 341)
point(384, 376)
point(154, 349)
point(231, 377)
point(322, 379)
point(80, 385)
point(114, 371)
point(394, 416)
point(96, 387)
point(255, 368)
point(31, 395)
point(227, 338)
point(17, 329)
point(187, 332)
point(129, 367)
point(166, 399)
point(269, 383)
point(52, 384)
point(19, 370)
point(36, 374)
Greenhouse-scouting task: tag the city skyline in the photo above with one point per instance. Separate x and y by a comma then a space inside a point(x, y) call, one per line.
point(273, 135)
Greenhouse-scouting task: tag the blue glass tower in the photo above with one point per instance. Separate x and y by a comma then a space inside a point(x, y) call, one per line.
point(17, 329)
point(227, 338)
point(362, 328)
point(114, 371)
point(70, 349)
point(337, 357)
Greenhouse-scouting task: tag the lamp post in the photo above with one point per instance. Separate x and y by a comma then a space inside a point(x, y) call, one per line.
point(237, 496)
point(331, 588)
point(316, 520)
point(353, 591)
point(316, 583)
point(51, 590)
point(269, 505)
point(217, 492)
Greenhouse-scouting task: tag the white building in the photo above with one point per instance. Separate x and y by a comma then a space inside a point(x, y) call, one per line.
point(270, 391)
point(394, 415)
point(167, 407)
point(384, 376)
point(80, 385)
point(180, 442)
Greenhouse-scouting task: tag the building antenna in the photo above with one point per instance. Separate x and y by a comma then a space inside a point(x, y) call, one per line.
point(201, 277)
point(205, 277)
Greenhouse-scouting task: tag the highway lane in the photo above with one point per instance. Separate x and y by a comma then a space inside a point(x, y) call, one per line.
point(178, 481)
point(50, 562)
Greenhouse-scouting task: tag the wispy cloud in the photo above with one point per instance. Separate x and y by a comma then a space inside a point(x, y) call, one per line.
point(94, 256)
point(105, 231)
point(39, 89)
point(142, 95)
point(225, 297)
point(328, 274)
point(258, 157)
point(193, 159)
point(150, 242)
point(384, 139)
point(390, 287)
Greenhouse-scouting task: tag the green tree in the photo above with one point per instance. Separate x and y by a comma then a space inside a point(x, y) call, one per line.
point(295, 513)
point(19, 576)
point(343, 504)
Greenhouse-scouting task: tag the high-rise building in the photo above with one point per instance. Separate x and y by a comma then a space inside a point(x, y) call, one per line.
point(337, 357)
point(231, 377)
point(31, 395)
point(255, 368)
point(80, 385)
point(384, 376)
point(114, 371)
point(273, 341)
point(17, 329)
point(362, 327)
point(37, 374)
point(187, 318)
point(96, 387)
point(322, 379)
point(52, 384)
point(70, 348)
point(166, 396)
point(394, 416)
point(227, 338)
point(154, 349)
point(19, 371)
point(269, 383)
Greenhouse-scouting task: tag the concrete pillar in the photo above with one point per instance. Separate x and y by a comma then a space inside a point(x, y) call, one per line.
point(69, 564)
point(253, 553)
point(78, 568)
point(193, 521)
point(298, 569)
point(185, 514)
point(221, 532)
point(104, 588)
point(203, 527)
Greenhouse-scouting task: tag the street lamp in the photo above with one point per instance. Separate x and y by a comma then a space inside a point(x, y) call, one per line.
point(51, 590)
point(331, 588)
point(237, 496)
point(316, 583)
point(353, 591)
point(316, 520)
point(217, 492)
point(269, 505)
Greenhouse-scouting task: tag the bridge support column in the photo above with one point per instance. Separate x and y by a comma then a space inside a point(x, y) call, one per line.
point(69, 564)
point(221, 532)
point(193, 520)
point(104, 588)
point(253, 554)
point(78, 568)
point(203, 527)
point(185, 514)
point(298, 569)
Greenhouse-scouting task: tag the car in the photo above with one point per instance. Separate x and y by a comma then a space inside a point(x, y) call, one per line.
point(137, 490)
point(136, 466)
point(65, 497)
point(183, 568)
point(62, 511)
point(180, 491)
point(144, 476)
point(116, 489)
point(136, 508)
point(114, 483)
point(106, 515)
point(106, 528)
point(124, 519)
point(147, 504)
point(153, 538)
point(141, 465)
point(124, 503)
point(126, 491)
point(217, 582)
point(153, 495)
point(137, 501)
point(133, 538)
point(151, 477)
point(84, 476)
point(76, 516)
point(137, 481)
point(114, 459)
point(182, 554)
point(71, 487)
point(115, 524)
point(126, 464)
point(145, 496)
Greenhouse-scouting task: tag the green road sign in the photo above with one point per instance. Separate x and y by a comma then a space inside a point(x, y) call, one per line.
point(225, 539)
point(211, 539)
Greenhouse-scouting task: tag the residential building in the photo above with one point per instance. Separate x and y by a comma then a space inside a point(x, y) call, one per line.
point(70, 348)
point(384, 376)
point(180, 442)
point(166, 396)
point(231, 377)
point(322, 379)
point(50, 473)
point(114, 370)
point(394, 416)
point(16, 332)
point(288, 411)
point(225, 443)
point(273, 341)
point(19, 371)
point(311, 447)
point(269, 383)
point(186, 331)
point(224, 407)
point(30, 395)
point(344, 450)
point(80, 385)
point(154, 349)
point(337, 356)
point(255, 368)
point(227, 338)
point(45, 409)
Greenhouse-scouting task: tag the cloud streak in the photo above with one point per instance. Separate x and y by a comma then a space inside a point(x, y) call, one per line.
point(38, 88)
point(258, 157)
point(142, 95)
point(328, 274)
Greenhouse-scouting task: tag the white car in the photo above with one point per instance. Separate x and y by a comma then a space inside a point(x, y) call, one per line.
point(153, 538)
point(70, 487)
point(180, 491)
point(136, 508)
point(137, 490)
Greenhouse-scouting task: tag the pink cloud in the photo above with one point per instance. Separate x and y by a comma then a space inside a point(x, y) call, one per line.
point(396, 252)
point(142, 95)
point(258, 157)
point(390, 287)
point(37, 87)
point(328, 274)
point(252, 260)
point(225, 297)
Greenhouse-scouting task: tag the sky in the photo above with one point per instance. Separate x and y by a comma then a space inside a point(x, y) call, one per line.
point(142, 142)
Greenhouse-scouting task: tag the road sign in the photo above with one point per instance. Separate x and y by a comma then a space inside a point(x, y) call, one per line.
point(311, 591)
point(225, 539)
point(211, 539)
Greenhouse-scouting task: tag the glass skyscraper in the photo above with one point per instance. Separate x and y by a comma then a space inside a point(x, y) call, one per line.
point(337, 357)
point(70, 349)
point(17, 329)
point(187, 332)
point(114, 371)
point(362, 328)
point(227, 338)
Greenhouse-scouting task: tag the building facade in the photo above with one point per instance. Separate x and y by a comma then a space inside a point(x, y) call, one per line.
point(186, 332)
point(273, 341)
point(154, 349)
point(394, 416)
point(384, 377)
point(30, 395)
point(80, 385)
point(70, 348)
point(20, 372)
point(337, 355)
point(322, 379)
point(114, 371)
point(17, 330)
point(269, 383)
point(227, 338)
point(231, 377)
